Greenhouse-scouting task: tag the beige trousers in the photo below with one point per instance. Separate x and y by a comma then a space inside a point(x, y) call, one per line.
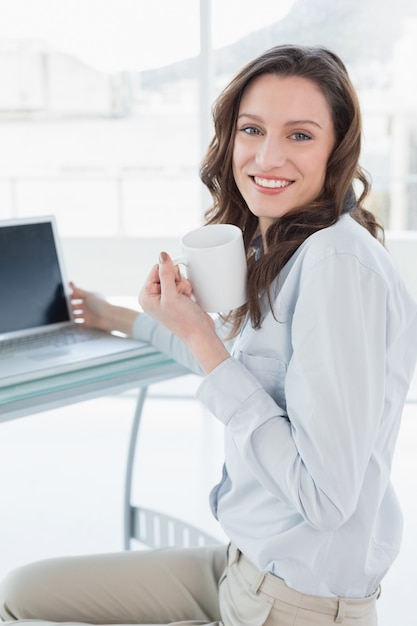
point(191, 586)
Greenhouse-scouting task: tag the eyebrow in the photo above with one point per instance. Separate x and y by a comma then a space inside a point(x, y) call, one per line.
point(289, 123)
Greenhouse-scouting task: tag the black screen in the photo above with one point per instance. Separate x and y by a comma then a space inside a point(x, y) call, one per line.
point(31, 289)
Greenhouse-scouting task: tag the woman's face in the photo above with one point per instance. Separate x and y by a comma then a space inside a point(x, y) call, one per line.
point(284, 137)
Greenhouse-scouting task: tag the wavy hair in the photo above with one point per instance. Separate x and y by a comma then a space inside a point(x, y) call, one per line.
point(326, 70)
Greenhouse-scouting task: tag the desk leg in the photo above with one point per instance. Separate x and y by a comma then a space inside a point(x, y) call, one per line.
point(129, 467)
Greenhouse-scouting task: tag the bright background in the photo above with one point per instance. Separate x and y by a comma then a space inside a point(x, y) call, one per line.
point(104, 118)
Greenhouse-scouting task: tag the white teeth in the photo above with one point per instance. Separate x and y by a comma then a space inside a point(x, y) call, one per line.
point(271, 183)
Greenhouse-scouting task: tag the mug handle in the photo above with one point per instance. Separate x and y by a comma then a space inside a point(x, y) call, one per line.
point(180, 260)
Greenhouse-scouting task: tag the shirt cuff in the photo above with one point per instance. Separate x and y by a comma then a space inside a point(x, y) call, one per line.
point(143, 327)
point(226, 388)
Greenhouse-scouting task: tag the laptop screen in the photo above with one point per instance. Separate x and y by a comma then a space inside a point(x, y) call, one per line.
point(31, 287)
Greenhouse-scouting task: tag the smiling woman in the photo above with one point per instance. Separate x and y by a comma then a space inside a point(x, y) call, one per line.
point(110, 142)
point(308, 379)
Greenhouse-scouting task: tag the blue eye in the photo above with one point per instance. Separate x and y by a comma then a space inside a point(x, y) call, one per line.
point(250, 130)
point(300, 136)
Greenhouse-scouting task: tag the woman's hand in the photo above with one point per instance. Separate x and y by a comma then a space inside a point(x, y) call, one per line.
point(95, 311)
point(167, 297)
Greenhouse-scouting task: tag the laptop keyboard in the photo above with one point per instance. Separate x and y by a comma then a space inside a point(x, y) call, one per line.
point(61, 337)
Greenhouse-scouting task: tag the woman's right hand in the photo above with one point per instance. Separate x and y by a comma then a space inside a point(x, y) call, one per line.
point(93, 310)
point(90, 309)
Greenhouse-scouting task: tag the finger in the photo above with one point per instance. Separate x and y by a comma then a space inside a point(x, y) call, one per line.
point(167, 276)
point(77, 295)
point(184, 287)
point(153, 281)
point(76, 290)
point(178, 276)
point(151, 287)
point(153, 276)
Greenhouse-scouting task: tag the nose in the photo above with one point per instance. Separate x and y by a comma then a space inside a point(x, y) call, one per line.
point(271, 153)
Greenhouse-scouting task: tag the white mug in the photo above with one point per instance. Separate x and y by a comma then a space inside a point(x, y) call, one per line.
point(215, 261)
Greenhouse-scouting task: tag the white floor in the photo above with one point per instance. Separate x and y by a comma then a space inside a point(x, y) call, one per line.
point(62, 478)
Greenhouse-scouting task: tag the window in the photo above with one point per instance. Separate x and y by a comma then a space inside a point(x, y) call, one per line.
point(108, 134)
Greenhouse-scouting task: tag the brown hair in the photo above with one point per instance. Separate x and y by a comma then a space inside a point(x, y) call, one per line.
point(286, 234)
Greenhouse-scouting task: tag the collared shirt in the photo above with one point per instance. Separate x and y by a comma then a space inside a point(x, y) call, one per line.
point(311, 403)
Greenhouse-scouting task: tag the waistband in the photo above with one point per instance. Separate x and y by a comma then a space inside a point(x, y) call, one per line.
point(275, 587)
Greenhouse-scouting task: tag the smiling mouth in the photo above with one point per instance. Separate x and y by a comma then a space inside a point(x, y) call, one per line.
point(272, 183)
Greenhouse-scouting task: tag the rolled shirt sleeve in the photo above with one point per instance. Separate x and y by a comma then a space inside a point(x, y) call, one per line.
point(145, 328)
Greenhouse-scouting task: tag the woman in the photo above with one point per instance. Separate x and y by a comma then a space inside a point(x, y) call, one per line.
point(310, 395)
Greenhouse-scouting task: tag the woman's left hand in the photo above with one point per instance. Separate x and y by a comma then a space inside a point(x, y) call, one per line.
point(167, 297)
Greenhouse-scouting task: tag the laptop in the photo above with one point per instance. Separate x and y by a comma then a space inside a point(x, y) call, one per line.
point(38, 335)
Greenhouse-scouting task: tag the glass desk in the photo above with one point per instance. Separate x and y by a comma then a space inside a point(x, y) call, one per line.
point(50, 392)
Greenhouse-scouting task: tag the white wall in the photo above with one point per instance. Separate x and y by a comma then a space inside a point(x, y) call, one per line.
point(114, 266)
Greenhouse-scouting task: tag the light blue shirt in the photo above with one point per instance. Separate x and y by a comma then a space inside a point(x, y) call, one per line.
point(311, 404)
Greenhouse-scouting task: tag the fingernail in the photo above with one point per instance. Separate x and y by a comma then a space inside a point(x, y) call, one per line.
point(163, 257)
